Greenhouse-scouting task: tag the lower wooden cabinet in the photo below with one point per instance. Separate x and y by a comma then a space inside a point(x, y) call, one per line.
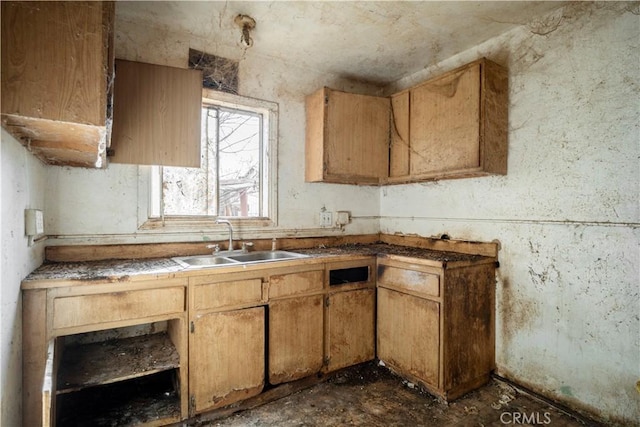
point(218, 338)
point(295, 338)
point(226, 357)
point(436, 322)
point(350, 320)
point(90, 348)
point(409, 334)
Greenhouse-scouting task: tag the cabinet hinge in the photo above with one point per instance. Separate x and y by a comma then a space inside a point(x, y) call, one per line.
point(326, 360)
point(192, 327)
point(326, 100)
point(327, 303)
point(192, 404)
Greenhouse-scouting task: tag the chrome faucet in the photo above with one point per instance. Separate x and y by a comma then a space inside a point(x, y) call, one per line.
point(224, 221)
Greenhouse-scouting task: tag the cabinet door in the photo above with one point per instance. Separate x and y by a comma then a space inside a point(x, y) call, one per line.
point(226, 358)
point(157, 113)
point(351, 328)
point(409, 334)
point(347, 137)
point(295, 338)
point(357, 135)
point(445, 123)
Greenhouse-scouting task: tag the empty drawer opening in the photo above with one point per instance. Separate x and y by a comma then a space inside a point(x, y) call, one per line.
point(348, 275)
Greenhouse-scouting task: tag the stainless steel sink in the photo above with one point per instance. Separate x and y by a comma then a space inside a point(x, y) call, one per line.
point(203, 261)
point(265, 256)
point(208, 261)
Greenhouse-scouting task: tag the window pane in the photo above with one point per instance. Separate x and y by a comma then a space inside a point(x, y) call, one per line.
point(231, 179)
point(239, 164)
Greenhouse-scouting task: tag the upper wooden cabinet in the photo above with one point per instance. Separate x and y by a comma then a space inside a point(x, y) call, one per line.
point(453, 126)
point(57, 70)
point(347, 138)
point(157, 113)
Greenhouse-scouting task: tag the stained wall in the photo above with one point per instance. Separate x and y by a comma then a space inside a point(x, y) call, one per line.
point(567, 212)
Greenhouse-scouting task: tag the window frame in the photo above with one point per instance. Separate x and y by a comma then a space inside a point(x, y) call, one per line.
point(154, 218)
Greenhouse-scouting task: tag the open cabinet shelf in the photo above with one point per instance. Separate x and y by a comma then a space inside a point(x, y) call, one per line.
point(89, 365)
point(123, 381)
point(151, 400)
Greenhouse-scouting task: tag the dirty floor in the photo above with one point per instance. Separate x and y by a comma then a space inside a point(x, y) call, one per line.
point(371, 396)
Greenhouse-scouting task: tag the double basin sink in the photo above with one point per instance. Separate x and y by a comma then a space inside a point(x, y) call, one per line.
point(235, 258)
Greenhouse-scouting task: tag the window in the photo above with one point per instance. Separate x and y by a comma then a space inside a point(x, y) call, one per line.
point(236, 178)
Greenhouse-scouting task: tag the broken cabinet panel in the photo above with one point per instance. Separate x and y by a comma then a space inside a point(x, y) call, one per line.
point(347, 137)
point(57, 86)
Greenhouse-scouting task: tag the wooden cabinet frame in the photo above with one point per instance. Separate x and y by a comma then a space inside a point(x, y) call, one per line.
point(117, 305)
point(452, 302)
point(57, 86)
point(349, 318)
point(347, 138)
point(296, 334)
point(461, 323)
point(452, 126)
point(226, 338)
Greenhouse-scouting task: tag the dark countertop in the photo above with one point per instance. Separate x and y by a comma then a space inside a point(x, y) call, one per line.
point(382, 249)
point(97, 270)
point(120, 270)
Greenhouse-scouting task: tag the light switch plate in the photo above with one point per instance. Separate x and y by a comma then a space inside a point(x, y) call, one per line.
point(33, 222)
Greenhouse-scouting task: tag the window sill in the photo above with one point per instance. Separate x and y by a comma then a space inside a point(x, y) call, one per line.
point(190, 224)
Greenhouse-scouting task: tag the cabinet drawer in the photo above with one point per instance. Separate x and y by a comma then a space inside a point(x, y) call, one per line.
point(223, 294)
point(412, 281)
point(296, 283)
point(116, 306)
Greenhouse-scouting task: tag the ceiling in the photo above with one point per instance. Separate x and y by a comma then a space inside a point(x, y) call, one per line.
point(374, 41)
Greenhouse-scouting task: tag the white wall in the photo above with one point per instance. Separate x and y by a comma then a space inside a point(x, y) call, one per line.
point(100, 206)
point(21, 186)
point(567, 213)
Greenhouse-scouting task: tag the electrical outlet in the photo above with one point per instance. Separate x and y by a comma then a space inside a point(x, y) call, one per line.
point(326, 219)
